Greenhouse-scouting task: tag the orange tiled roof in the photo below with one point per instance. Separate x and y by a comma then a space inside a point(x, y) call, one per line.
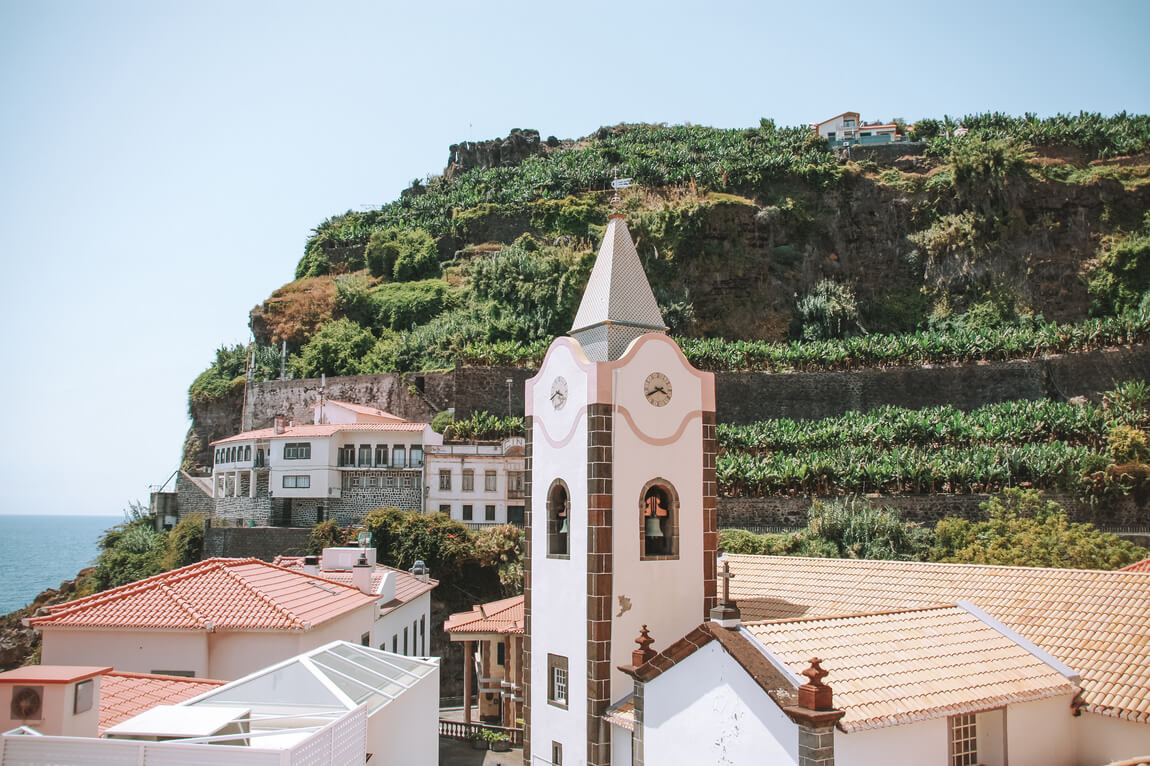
point(622, 714)
point(898, 667)
point(213, 595)
point(312, 431)
point(1097, 623)
point(124, 695)
point(363, 409)
point(505, 616)
point(1138, 566)
point(407, 586)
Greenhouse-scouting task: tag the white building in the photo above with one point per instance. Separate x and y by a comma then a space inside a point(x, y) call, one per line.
point(403, 615)
point(847, 127)
point(477, 483)
point(337, 705)
point(219, 618)
point(351, 460)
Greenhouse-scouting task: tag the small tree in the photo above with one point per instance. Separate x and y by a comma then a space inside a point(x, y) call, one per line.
point(828, 311)
point(1026, 530)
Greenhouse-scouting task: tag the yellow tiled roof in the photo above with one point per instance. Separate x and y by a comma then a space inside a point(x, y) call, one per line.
point(1097, 623)
point(897, 667)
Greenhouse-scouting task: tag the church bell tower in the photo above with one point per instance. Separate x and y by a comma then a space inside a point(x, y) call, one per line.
point(621, 520)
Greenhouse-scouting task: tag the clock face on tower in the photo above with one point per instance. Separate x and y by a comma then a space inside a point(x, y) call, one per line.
point(559, 392)
point(657, 389)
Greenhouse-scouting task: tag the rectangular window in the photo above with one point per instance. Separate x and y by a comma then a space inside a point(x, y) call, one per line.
point(355, 481)
point(365, 455)
point(557, 680)
point(347, 455)
point(84, 693)
point(405, 642)
point(365, 639)
point(381, 454)
point(445, 508)
point(395, 643)
point(423, 634)
point(297, 451)
point(556, 754)
point(391, 481)
point(445, 478)
point(371, 481)
point(500, 654)
point(398, 457)
point(467, 513)
point(489, 481)
point(468, 480)
point(416, 456)
point(963, 740)
point(489, 513)
point(297, 482)
point(515, 483)
point(407, 481)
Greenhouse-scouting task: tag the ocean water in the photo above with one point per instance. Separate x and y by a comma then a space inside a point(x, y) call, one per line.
point(40, 552)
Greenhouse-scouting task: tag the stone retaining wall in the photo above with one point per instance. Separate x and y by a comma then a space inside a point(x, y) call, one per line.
point(263, 543)
point(738, 512)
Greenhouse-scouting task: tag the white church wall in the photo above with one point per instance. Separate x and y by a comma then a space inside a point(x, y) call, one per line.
point(708, 710)
point(655, 442)
point(559, 585)
point(1102, 739)
point(1041, 732)
point(911, 744)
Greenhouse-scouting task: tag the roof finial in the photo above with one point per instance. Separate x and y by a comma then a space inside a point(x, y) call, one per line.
point(814, 694)
point(644, 653)
point(726, 612)
point(617, 184)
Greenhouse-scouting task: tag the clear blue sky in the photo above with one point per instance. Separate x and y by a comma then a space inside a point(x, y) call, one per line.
point(162, 163)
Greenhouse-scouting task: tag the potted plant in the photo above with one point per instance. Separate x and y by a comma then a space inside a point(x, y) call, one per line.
point(479, 739)
point(499, 740)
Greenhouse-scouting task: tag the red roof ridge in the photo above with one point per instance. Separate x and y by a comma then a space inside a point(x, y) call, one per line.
point(128, 589)
point(184, 605)
point(164, 677)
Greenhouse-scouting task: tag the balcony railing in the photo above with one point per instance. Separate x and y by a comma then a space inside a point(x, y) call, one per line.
point(461, 730)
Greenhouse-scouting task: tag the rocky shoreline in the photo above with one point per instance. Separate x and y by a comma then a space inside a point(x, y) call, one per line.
point(21, 646)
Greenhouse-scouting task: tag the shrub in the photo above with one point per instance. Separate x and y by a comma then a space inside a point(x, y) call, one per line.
point(1121, 280)
point(402, 305)
point(339, 348)
point(829, 310)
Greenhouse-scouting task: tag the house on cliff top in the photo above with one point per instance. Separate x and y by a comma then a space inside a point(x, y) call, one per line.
point(351, 459)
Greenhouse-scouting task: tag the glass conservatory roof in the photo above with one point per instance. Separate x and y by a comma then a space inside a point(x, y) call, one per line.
point(331, 679)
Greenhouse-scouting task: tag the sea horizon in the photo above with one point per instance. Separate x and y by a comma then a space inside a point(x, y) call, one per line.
point(40, 551)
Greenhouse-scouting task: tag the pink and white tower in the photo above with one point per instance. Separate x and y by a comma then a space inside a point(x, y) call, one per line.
point(621, 524)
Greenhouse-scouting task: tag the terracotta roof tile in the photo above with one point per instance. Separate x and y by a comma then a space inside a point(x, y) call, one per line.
point(503, 617)
point(213, 595)
point(1097, 623)
point(124, 695)
point(1138, 566)
point(327, 429)
point(408, 587)
point(896, 667)
point(622, 714)
point(364, 409)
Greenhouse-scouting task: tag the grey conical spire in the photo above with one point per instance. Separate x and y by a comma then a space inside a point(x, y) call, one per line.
point(618, 305)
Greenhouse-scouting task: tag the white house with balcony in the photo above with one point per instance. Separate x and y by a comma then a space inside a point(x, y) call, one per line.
point(350, 460)
point(478, 483)
point(848, 127)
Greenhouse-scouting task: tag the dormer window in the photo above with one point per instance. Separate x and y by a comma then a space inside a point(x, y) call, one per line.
point(558, 521)
point(659, 521)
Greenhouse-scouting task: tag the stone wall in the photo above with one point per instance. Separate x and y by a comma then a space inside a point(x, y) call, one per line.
point(412, 396)
point(261, 543)
point(883, 154)
point(791, 512)
point(479, 389)
point(191, 497)
point(745, 397)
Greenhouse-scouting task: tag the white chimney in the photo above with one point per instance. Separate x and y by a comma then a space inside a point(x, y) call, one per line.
point(387, 588)
point(278, 424)
point(361, 575)
point(419, 569)
point(311, 565)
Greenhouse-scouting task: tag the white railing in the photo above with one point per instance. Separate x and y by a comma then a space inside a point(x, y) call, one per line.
point(342, 742)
